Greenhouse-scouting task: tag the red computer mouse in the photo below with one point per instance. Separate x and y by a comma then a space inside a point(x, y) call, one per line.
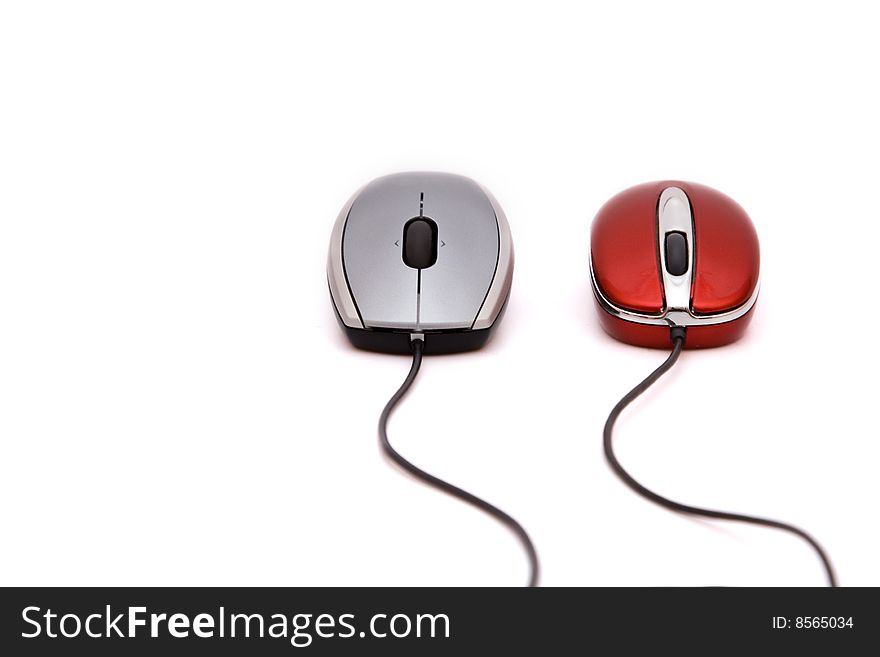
point(674, 253)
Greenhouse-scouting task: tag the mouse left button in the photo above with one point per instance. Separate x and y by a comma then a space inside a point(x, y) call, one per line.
point(384, 289)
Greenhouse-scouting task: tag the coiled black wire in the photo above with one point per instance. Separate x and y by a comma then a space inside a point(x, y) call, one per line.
point(678, 338)
point(417, 348)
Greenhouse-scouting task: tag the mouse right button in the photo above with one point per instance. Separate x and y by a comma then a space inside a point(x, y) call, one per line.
point(454, 288)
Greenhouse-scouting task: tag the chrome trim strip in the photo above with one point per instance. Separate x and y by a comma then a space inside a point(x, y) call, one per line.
point(674, 214)
point(499, 290)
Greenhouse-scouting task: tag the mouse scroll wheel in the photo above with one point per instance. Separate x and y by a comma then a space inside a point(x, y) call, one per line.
point(677, 261)
point(420, 243)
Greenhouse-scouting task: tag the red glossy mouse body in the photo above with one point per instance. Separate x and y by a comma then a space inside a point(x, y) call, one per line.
point(674, 253)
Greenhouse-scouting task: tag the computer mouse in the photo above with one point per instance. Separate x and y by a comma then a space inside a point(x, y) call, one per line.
point(674, 253)
point(420, 254)
point(675, 265)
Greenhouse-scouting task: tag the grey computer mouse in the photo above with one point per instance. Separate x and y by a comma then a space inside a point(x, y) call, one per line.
point(420, 254)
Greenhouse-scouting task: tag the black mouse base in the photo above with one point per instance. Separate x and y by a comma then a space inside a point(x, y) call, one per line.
point(393, 342)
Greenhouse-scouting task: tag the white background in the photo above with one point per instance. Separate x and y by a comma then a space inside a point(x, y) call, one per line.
point(179, 406)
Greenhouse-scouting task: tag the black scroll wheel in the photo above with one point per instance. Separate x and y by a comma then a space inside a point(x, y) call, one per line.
point(676, 253)
point(420, 243)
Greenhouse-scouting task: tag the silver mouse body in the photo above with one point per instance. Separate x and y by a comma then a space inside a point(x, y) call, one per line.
point(420, 253)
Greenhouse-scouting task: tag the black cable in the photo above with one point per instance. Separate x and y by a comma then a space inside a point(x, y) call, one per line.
point(417, 347)
point(678, 338)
